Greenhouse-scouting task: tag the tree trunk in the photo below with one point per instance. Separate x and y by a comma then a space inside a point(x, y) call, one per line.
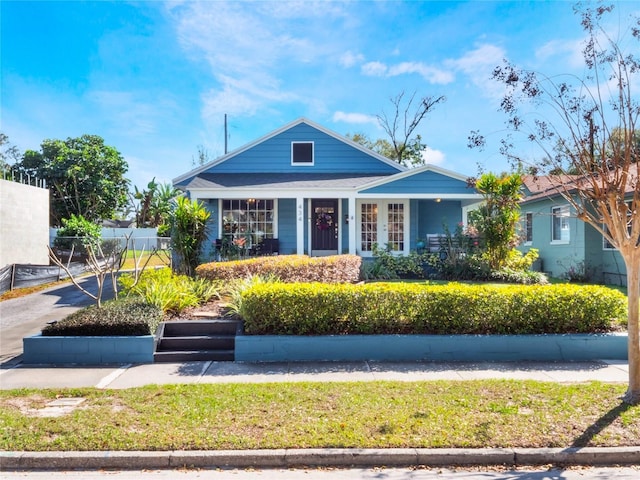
point(633, 293)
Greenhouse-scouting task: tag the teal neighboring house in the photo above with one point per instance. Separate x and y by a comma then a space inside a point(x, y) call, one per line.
point(550, 225)
point(303, 189)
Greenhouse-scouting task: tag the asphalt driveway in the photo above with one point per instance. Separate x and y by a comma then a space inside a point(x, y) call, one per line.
point(25, 316)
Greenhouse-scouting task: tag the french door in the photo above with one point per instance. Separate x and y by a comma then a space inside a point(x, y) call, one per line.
point(383, 223)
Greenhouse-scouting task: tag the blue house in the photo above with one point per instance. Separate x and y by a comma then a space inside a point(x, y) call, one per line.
point(311, 191)
point(565, 244)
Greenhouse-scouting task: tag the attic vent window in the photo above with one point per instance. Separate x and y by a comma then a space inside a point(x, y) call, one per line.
point(301, 153)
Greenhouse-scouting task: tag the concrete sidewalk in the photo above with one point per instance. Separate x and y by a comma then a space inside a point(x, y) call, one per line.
point(17, 375)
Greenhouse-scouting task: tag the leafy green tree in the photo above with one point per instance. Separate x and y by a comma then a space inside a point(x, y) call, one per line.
point(156, 204)
point(188, 233)
point(85, 177)
point(380, 146)
point(587, 116)
point(497, 219)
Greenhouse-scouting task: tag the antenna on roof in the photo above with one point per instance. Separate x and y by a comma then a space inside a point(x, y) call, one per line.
point(225, 134)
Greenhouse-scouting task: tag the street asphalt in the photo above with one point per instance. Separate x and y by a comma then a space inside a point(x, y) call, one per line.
point(27, 315)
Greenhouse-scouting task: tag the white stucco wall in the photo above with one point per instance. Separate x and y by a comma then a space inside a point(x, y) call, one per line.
point(24, 224)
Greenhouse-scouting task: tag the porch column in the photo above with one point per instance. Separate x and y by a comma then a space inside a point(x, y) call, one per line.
point(352, 225)
point(300, 225)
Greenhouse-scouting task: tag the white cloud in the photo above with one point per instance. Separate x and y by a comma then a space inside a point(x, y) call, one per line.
point(478, 64)
point(374, 69)
point(251, 48)
point(432, 156)
point(359, 118)
point(570, 51)
point(430, 74)
point(349, 59)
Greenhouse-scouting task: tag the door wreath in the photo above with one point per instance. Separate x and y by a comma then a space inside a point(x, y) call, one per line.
point(324, 221)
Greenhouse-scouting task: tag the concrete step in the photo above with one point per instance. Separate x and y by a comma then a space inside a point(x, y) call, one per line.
point(197, 340)
point(194, 343)
point(194, 356)
point(188, 328)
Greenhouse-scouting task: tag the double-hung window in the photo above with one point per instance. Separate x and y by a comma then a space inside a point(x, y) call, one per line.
point(528, 227)
point(560, 230)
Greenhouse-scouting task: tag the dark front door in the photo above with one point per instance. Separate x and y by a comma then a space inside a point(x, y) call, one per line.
point(324, 226)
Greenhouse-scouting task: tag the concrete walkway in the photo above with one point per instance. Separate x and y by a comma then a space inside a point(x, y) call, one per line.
point(127, 376)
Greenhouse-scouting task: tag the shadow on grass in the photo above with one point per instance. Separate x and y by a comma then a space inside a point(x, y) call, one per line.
point(599, 425)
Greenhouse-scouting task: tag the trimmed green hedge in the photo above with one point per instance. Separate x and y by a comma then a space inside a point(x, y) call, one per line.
point(287, 268)
point(118, 317)
point(396, 308)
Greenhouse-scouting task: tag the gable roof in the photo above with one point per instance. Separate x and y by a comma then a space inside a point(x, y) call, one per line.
point(203, 168)
point(549, 186)
point(417, 171)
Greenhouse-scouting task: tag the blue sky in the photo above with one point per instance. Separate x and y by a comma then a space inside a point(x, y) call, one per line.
point(155, 79)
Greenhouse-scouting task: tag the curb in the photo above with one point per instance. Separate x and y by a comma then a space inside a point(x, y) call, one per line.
point(338, 457)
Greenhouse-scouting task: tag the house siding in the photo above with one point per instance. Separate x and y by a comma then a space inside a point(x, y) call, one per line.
point(556, 258)
point(287, 225)
point(432, 215)
point(427, 182)
point(330, 156)
point(614, 271)
point(584, 249)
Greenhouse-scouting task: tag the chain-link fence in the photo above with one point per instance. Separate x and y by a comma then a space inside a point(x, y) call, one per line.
point(75, 253)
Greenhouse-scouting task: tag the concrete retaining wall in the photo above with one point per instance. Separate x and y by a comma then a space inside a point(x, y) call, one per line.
point(39, 349)
point(472, 348)
point(24, 224)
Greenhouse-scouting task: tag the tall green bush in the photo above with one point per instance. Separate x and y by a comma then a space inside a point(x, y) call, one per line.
point(189, 231)
point(497, 218)
point(78, 232)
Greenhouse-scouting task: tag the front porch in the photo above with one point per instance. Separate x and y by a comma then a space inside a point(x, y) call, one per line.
point(247, 227)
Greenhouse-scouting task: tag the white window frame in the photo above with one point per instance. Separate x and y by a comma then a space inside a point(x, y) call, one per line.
point(274, 221)
point(528, 227)
point(563, 212)
point(303, 164)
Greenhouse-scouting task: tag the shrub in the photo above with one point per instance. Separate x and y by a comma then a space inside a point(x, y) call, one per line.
point(387, 266)
point(168, 291)
point(117, 317)
point(189, 230)
point(394, 308)
point(79, 232)
point(233, 291)
point(287, 268)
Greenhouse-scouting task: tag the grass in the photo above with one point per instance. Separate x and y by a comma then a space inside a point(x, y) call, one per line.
point(437, 414)
point(160, 259)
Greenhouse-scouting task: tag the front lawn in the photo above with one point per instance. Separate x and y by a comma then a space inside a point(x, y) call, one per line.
point(435, 414)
